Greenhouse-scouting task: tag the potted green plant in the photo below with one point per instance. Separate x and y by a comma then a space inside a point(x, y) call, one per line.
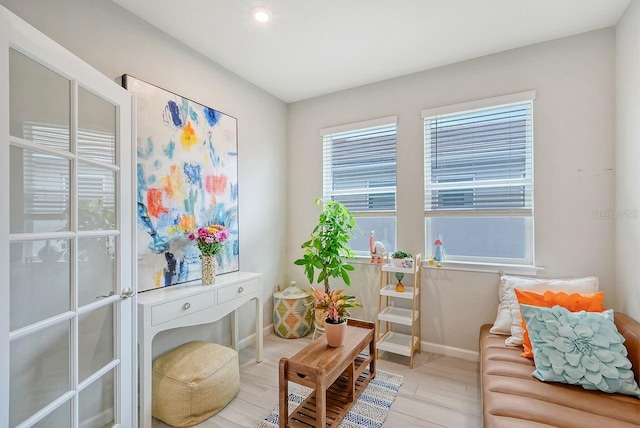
point(328, 248)
point(336, 305)
point(402, 259)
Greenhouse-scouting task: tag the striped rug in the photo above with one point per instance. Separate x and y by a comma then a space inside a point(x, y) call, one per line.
point(370, 410)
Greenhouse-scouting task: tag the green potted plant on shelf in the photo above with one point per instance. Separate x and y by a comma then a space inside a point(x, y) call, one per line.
point(402, 259)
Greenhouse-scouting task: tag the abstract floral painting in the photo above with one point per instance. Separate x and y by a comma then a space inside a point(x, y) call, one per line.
point(187, 175)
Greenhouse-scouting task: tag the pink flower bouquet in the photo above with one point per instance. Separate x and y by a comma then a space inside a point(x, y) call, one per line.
point(210, 239)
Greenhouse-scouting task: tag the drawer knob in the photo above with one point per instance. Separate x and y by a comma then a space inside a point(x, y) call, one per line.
point(240, 290)
point(186, 306)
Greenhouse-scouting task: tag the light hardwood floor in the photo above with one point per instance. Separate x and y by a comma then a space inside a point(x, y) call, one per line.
point(440, 391)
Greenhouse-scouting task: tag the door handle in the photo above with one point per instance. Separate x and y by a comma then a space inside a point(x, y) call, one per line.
point(126, 293)
point(111, 293)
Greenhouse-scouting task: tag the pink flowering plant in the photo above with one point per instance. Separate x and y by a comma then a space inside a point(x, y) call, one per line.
point(335, 303)
point(210, 239)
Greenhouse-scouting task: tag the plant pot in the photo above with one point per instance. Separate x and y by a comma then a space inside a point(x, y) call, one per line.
point(335, 333)
point(208, 270)
point(402, 263)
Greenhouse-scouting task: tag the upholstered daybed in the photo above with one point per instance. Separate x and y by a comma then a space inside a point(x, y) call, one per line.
point(513, 398)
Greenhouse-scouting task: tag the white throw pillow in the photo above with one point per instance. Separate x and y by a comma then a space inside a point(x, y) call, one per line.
point(537, 285)
point(502, 325)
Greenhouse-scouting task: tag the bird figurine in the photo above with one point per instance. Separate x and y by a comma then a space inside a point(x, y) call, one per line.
point(376, 248)
point(438, 254)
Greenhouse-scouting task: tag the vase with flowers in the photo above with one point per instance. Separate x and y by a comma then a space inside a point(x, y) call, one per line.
point(210, 240)
point(337, 305)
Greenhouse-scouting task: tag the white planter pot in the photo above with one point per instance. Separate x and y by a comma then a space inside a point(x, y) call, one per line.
point(402, 263)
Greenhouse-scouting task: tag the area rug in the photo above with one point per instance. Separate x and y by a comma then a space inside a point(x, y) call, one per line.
point(369, 411)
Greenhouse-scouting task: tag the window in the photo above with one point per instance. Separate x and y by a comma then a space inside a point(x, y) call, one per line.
point(359, 170)
point(46, 177)
point(479, 179)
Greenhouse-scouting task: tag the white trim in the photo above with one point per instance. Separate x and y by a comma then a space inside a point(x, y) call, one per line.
point(98, 419)
point(450, 351)
point(383, 121)
point(499, 268)
point(247, 341)
point(47, 410)
point(508, 212)
point(99, 374)
point(478, 104)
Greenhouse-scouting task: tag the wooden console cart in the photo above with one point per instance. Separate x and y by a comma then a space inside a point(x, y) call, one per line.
point(393, 341)
point(336, 375)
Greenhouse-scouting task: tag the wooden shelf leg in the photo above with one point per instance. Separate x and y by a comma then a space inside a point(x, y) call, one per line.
point(352, 382)
point(321, 401)
point(373, 351)
point(283, 402)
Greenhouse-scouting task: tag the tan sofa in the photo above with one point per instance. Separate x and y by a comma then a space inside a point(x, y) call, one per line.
point(512, 398)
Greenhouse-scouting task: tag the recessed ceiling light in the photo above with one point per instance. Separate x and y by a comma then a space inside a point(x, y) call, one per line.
point(261, 14)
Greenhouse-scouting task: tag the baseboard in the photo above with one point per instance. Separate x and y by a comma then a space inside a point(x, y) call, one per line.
point(436, 348)
point(450, 351)
point(250, 340)
point(98, 420)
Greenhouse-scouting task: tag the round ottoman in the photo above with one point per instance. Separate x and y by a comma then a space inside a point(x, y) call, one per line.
point(292, 316)
point(193, 382)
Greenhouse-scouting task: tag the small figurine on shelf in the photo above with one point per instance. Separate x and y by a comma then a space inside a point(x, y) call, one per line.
point(438, 254)
point(376, 248)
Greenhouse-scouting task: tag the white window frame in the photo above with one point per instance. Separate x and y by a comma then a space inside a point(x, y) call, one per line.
point(327, 165)
point(526, 213)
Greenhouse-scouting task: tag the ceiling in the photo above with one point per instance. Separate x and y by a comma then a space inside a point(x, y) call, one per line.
point(313, 47)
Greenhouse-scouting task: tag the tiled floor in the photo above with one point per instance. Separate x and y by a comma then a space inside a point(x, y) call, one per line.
point(439, 392)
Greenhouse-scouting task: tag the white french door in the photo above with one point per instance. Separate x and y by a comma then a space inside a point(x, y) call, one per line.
point(66, 280)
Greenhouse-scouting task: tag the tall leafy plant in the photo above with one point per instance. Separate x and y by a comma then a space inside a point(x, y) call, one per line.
point(328, 247)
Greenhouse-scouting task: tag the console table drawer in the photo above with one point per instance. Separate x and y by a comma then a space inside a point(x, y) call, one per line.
point(182, 307)
point(235, 291)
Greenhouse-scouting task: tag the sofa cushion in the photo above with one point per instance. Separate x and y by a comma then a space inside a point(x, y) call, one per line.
point(579, 348)
point(511, 397)
point(575, 302)
point(509, 321)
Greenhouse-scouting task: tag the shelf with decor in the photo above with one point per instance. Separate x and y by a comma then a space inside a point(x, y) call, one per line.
point(389, 314)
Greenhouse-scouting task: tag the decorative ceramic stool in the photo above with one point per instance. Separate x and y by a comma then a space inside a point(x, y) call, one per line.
point(193, 382)
point(292, 314)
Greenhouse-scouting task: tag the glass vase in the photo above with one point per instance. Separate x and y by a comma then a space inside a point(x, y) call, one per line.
point(208, 270)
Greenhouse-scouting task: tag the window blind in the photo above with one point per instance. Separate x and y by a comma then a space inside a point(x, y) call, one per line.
point(46, 177)
point(480, 161)
point(359, 168)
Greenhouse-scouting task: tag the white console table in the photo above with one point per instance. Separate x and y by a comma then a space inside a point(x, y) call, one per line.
point(187, 305)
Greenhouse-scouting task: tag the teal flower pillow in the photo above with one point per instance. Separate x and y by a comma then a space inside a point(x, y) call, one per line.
point(579, 348)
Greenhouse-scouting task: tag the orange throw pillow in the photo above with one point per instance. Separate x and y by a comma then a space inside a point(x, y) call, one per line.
point(575, 302)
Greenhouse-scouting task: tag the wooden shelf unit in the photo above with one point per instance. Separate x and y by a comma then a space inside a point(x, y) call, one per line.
point(392, 341)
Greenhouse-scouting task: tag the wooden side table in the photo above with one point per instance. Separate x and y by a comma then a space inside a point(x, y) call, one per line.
point(336, 375)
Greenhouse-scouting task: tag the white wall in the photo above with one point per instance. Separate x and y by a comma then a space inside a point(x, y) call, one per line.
point(627, 153)
point(573, 131)
point(116, 42)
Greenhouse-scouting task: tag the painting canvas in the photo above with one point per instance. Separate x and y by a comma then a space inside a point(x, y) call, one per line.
point(187, 175)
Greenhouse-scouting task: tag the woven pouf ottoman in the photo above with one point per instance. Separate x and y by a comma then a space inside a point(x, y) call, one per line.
point(193, 382)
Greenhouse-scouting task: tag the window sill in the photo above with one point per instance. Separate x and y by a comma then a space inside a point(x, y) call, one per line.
point(499, 268)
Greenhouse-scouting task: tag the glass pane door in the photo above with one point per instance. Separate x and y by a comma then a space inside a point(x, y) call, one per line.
point(67, 187)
